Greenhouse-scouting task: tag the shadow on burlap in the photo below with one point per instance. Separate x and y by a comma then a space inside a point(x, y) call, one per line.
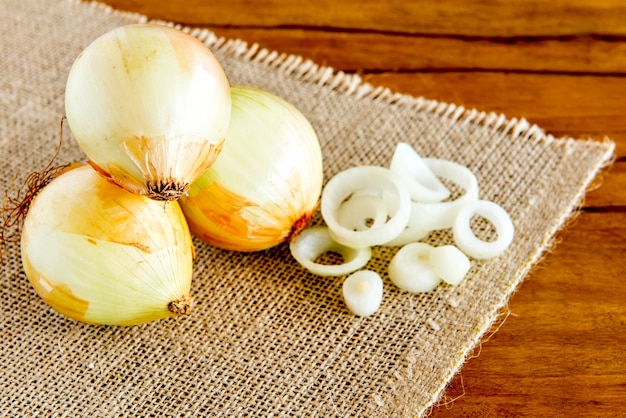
point(266, 337)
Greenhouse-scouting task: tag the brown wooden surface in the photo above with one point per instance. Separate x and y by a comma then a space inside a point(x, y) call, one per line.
point(560, 64)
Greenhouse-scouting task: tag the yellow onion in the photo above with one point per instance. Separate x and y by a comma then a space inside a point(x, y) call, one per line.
point(265, 185)
point(149, 105)
point(102, 255)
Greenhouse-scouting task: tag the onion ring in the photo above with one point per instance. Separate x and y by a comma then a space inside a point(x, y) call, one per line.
point(362, 212)
point(366, 178)
point(427, 217)
point(312, 242)
point(467, 241)
point(410, 268)
point(423, 184)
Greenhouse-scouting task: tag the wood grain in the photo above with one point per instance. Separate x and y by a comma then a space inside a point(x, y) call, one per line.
point(561, 351)
point(560, 64)
point(382, 52)
point(472, 18)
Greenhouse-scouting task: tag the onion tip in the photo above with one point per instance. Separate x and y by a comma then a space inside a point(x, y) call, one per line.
point(182, 306)
point(300, 224)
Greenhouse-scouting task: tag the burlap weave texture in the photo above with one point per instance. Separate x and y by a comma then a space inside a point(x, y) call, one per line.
point(267, 338)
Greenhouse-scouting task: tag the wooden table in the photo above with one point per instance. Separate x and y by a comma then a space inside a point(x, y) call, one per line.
point(560, 349)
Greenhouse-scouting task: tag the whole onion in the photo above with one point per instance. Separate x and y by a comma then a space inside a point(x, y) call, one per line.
point(102, 255)
point(149, 105)
point(266, 183)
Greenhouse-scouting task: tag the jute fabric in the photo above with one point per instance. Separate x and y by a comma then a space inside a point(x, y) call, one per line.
point(267, 338)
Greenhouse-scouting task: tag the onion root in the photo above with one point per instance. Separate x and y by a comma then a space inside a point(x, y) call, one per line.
point(182, 306)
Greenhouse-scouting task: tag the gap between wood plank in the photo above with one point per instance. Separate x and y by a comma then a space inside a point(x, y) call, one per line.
point(459, 37)
point(490, 70)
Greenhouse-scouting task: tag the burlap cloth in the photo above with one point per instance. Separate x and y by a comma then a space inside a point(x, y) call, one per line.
point(266, 338)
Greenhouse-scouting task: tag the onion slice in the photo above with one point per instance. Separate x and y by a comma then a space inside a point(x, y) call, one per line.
point(410, 268)
point(315, 241)
point(149, 105)
point(363, 292)
point(370, 179)
point(362, 212)
point(471, 245)
point(423, 184)
point(450, 263)
point(427, 217)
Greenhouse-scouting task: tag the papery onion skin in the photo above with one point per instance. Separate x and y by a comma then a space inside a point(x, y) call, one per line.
point(150, 106)
point(101, 255)
point(266, 183)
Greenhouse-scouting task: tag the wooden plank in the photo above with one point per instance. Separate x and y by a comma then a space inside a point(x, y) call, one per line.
point(607, 192)
point(482, 18)
point(563, 105)
point(560, 351)
point(371, 52)
point(589, 107)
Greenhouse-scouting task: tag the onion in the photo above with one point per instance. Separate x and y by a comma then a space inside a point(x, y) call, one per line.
point(449, 263)
point(150, 106)
point(423, 184)
point(410, 268)
point(427, 217)
point(265, 186)
point(475, 247)
point(362, 212)
point(101, 255)
point(363, 292)
point(314, 242)
point(365, 206)
point(366, 180)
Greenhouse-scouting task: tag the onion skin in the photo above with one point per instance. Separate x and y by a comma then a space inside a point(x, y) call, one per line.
point(150, 106)
point(265, 186)
point(101, 255)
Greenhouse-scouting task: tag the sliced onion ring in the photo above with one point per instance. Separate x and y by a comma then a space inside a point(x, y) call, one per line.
point(355, 212)
point(427, 217)
point(423, 184)
point(467, 241)
point(415, 231)
point(369, 178)
point(312, 242)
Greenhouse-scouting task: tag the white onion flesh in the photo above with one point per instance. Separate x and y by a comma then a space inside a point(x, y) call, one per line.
point(366, 206)
point(449, 263)
point(266, 183)
point(424, 186)
point(150, 106)
point(471, 245)
point(371, 179)
point(410, 268)
point(362, 212)
point(427, 217)
point(363, 292)
point(101, 255)
point(314, 242)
